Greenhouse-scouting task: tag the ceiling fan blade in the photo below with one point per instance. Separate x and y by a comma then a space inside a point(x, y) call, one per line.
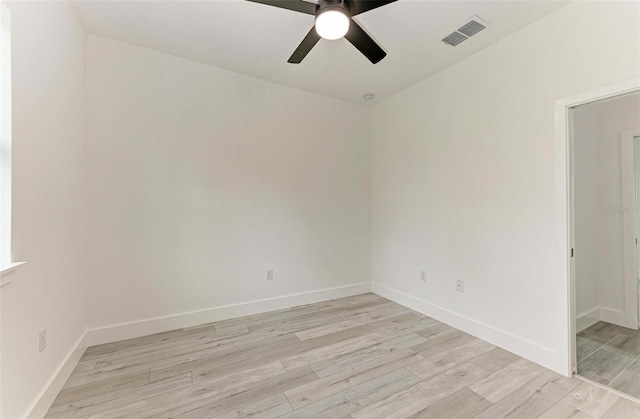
point(295, 5)
point(360, 6)
point(305, 46)
point(361, 40)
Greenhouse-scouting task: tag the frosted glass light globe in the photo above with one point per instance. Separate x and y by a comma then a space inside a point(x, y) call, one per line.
point(332, 24)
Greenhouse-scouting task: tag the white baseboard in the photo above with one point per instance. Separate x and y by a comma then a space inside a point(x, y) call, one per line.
point(164, 324)
point(612, 316)
point(604, 314)
point(50, 391)
point(177, 321)
point(587, 319)
point(532, 351)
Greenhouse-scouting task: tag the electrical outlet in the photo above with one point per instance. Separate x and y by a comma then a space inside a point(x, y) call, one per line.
point(269, 274)
point(460, 286)
point(43, 339)
point(423, 276)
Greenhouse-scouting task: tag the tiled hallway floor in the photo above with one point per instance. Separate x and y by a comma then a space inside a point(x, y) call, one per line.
point(610, 354)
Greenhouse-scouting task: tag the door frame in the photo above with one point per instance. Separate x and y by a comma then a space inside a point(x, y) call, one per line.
point(629, 208)
point(564, 186)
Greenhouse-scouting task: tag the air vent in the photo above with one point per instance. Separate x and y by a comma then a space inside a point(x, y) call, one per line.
point(454, 39)
point(465, 31)
point(471, 28)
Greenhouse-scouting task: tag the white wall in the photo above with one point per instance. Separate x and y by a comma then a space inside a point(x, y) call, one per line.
point(588, 214)
point(636, 150)
point(613, 117)
point(463, 172)
point(599, 217)
point(48, 63)
point(201, 179)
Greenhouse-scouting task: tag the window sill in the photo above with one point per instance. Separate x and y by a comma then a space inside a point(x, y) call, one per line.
point(8, 268)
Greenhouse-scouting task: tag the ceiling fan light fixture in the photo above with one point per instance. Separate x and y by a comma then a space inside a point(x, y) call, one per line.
point(333, 20)
point(332, 23)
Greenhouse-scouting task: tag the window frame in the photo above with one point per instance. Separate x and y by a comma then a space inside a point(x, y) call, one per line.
point(6, 261)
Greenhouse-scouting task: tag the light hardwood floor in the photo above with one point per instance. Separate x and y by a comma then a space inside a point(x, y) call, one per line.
point(358, 357)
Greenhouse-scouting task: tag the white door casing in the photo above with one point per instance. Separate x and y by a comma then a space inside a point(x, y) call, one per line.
point(564, 180)
point(628, 210)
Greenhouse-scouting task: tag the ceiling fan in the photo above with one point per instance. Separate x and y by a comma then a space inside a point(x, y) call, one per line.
point(333, 21)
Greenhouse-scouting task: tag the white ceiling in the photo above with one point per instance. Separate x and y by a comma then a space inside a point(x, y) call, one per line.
point(257, 40)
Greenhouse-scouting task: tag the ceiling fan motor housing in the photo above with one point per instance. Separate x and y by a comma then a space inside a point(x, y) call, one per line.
point(339, 5)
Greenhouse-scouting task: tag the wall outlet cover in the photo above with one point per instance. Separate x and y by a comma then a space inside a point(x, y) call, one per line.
point(460, 286)
point(269, 274)
point(423, 276)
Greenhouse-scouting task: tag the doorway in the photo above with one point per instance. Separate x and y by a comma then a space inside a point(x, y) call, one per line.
point(604, 205)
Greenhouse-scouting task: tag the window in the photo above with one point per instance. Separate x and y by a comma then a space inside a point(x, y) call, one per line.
point(5, 139)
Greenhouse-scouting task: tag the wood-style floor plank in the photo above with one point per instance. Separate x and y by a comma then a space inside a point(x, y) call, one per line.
point(353, 398)
point(463, 404)
point(623, 409)
point(495, 360)
point(529, 401)
point(355, 357)
point(449, 359)
point(416, 398)
point(269, 387)
point(562, 410)
point(74, 394)
point(507, 380)
point(593, 400)
point(271, 407)
point(114, 399)
point(343, 380)
point(343, 361)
